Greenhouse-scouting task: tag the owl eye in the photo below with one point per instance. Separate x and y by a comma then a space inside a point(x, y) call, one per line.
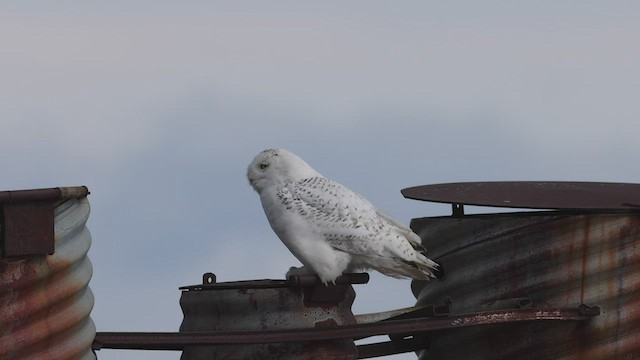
point(263, 166)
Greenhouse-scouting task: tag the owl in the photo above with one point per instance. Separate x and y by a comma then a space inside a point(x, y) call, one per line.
point(330, 228)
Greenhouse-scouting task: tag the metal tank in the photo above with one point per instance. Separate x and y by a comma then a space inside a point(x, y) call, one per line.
point(45, 299)
point(585, 250)
point(301, 302)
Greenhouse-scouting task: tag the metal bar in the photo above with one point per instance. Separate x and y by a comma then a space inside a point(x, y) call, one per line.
point(386, 315)
point(177, 341)
point(209, 282)
point(420, 311)
point(36, 195)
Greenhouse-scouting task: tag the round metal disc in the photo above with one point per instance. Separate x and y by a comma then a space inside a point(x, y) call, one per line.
point(532, 194)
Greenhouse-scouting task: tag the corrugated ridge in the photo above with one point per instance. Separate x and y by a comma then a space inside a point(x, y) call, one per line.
point(70, 345)
point(60, 287)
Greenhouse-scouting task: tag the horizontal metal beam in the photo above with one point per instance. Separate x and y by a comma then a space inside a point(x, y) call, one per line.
point(177, 341)
point(49, 194)
point(209, 282)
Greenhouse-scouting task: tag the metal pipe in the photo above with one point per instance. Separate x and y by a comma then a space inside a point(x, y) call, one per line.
point(177, 341)
point(48, 194)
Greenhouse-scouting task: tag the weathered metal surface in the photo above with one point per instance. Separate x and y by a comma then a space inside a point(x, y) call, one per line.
point(300, 302)
point(549, 259)
point(26, 219)
point(532, 194)
point(45, 300)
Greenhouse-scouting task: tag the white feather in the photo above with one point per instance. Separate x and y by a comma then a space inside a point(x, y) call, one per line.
point(330, 228)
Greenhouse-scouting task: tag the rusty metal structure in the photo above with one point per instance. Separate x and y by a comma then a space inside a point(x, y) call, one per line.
point(299, 318)
point(44, 275)
point(563, 283)
point(585, 251)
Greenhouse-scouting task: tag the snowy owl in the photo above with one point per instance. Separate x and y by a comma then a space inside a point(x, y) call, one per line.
point(330, 228)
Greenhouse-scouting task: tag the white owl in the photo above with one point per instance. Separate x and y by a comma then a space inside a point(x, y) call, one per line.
point(330, 228)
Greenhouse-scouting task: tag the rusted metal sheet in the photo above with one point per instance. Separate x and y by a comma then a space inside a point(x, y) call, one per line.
point(45, 299)
point(26, 219)
point(549, 259)
point(532, 194)
point(301, 302)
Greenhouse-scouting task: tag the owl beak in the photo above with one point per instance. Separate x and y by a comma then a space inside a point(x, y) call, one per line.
point(252, 182)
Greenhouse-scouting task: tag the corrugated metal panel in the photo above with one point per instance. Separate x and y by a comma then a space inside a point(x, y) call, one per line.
point(45, 299)
point(550, 259)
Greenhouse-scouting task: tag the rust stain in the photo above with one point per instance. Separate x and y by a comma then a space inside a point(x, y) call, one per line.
point(585, 247)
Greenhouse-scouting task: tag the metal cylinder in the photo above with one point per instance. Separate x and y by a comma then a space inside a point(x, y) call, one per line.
point(268, 305)
point(45, 300)
point(552, 259)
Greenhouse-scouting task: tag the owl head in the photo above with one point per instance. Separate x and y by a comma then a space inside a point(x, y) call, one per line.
point(277, 166)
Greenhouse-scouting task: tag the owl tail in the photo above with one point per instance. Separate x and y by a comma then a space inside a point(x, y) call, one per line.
point(421, 269)
point(425, 265)
point(418, 266)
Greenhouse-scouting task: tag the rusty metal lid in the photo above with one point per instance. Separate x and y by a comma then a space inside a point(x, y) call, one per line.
point(533, 195)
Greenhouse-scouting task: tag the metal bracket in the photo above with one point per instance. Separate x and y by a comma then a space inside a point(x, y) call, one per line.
point(27, 219)
point(27, 229)
point(457, 210)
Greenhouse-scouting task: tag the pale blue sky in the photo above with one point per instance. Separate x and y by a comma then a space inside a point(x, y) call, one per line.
point(158, 107)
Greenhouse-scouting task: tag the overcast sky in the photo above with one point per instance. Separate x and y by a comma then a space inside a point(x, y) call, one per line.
point(159, 106)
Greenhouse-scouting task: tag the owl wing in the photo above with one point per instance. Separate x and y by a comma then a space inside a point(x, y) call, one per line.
point(348, 221)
